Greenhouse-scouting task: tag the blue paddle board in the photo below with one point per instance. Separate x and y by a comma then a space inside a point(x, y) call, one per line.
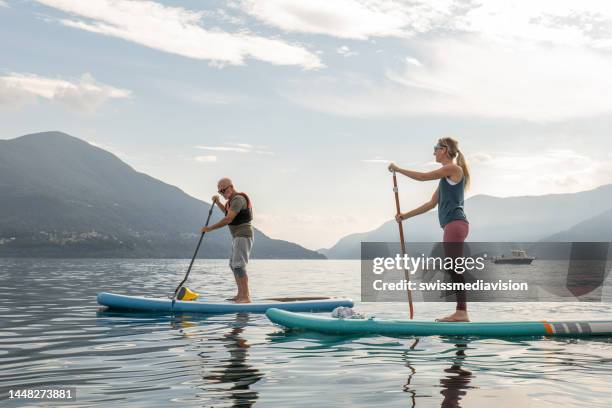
point(326, 324)
point(148, 304)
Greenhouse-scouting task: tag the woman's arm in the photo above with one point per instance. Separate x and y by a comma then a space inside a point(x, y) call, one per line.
point(430, 205)
point(444, 171)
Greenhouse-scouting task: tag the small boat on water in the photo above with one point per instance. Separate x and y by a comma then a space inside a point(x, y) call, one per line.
point(518, 257)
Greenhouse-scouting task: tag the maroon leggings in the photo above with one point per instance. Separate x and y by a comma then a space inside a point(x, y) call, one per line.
point(455, 233)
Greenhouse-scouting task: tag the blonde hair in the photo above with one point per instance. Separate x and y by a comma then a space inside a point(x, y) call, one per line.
point(452, 148)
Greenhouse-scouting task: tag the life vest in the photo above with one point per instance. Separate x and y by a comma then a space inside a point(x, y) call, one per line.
point(245, 215)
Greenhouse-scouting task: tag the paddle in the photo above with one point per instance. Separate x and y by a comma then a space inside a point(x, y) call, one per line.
point(212, 206)
point(403, 249)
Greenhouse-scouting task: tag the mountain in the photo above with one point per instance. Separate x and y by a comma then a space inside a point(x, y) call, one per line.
point(61, 196)
point(595, 229)
point(582, 216)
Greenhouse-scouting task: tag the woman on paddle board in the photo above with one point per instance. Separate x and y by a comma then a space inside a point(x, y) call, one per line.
point(454, 177)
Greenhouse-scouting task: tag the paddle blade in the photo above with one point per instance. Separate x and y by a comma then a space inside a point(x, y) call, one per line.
point(187, 294)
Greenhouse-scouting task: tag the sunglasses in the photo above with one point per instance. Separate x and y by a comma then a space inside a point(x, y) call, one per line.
point(439, 146)
point(223, 190)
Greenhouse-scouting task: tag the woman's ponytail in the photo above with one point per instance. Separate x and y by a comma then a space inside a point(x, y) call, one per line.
point(463, 164)
point(454, 152)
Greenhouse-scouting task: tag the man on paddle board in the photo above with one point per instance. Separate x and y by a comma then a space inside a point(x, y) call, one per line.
point(238, 216)
point(454, 180)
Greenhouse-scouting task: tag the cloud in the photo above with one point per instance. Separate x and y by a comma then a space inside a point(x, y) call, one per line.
point(242, 145)
point(353, 18)
point(3, 3)
point(205, 159)
point(85, 95)
point(568, 181)
point(14, 97)
point(413, 61)
point(534, 61)
point(179, 31)
point(238, 148)
point(588, 22)
point(224, 149)
point(472, 78)
point(346, 51)
point(544, 172)
point(109, 148)
point(480, 158)
point(99, 145)
point(557, 159)
point(376, 160)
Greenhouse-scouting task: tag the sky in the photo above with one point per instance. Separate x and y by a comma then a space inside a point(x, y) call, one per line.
point(304, 103)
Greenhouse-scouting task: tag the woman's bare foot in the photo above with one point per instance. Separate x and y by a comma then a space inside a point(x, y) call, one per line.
point(243, 300)
point(458, 316)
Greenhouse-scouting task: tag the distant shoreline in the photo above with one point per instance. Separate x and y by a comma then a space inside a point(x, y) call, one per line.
point(174, 258)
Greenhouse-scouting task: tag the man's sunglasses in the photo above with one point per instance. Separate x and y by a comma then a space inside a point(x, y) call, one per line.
point(223, 190)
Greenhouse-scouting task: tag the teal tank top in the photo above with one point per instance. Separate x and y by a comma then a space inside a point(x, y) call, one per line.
point(450, 201)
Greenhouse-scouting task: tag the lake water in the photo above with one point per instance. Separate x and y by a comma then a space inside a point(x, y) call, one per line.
point(53, 333)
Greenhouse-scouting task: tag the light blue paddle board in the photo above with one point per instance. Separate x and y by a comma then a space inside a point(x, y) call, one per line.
point(326, 324)
point(148, 304)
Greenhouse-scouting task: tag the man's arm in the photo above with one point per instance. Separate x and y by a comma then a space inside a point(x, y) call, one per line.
point(222, 223)
point(215, 200)
point(221, 206)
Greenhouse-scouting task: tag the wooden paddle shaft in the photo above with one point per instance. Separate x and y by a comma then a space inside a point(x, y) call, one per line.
point(402, 244)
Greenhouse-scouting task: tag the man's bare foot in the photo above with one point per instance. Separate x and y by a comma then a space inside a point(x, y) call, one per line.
point(458, 316)
point(242, 300)
point(233, 298)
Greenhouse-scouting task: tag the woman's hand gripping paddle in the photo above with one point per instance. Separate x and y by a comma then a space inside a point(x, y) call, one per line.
point(403, 246)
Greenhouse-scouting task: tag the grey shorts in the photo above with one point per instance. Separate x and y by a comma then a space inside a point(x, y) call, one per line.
point(241, 250)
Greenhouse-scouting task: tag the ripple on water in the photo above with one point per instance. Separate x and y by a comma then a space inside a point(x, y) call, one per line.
point(148, 360)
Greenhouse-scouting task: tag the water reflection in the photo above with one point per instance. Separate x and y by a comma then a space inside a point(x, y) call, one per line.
point(407, 388)
point(454, 386)
point(51, 335)
point(216, 344)
point(230, 377)
point(237, 369)
point(454, 380)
